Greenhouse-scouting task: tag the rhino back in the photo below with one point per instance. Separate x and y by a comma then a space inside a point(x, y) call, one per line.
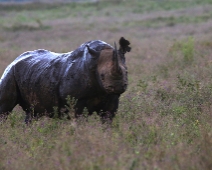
point(38, 75)
point(44, 78)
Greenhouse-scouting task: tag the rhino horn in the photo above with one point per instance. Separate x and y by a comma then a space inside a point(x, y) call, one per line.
point(116, 59)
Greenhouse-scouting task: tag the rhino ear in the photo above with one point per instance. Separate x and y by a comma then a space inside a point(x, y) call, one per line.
point(92, 51)
point(124, 45)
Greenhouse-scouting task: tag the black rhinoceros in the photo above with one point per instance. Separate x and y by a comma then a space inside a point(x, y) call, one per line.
point(95, 74)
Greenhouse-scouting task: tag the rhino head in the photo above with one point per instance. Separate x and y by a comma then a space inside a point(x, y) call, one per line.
point(112, 69)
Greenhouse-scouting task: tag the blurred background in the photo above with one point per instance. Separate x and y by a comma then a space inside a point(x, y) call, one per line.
point(49, 1)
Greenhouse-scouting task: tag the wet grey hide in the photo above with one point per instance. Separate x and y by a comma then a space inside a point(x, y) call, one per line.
point(95, 74)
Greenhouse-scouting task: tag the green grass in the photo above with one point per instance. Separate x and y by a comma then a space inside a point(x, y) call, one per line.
point(144, 6)
point(30, 13)
point(168, 21)
point(164, 117)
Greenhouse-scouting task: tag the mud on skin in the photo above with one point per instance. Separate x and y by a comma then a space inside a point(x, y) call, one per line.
point(95, 74)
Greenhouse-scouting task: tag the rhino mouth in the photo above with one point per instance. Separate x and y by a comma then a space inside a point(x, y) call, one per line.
point(116, 89)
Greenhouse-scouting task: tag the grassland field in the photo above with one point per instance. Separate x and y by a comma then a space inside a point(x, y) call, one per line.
point(164, 121)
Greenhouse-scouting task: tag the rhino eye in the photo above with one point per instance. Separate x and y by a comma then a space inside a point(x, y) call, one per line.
point(102, 76)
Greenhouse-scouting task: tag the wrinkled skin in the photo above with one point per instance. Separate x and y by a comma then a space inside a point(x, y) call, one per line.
point(95, 74)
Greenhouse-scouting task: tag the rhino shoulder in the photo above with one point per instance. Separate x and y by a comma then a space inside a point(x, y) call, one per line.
point(97, 45)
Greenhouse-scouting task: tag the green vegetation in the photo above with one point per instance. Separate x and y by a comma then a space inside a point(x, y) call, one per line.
point(164, 119)
point(28, 14)
point(169, 21)
point(143, 6)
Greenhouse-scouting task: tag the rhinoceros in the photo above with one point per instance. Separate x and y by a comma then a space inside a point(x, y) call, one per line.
point(95, 74)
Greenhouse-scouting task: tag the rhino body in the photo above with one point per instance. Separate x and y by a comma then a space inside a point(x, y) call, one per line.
point(39, 81)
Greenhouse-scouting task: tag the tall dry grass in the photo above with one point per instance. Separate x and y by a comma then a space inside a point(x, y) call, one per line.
point(164, 118)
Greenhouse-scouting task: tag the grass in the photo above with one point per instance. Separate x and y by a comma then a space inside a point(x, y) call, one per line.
point(168, 21)
point(164, 117)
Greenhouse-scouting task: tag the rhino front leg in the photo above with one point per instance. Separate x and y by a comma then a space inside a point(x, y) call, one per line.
point(110, 106)
point(79, 107)
point(28, 118)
